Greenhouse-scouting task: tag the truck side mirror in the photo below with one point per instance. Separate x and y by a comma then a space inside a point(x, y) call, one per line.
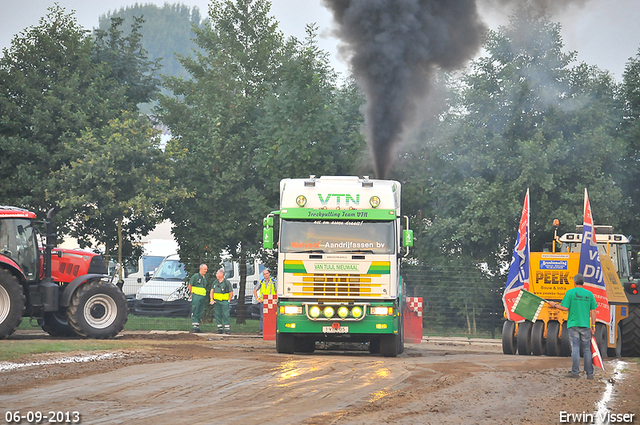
point(407, 238)
point(267, 237)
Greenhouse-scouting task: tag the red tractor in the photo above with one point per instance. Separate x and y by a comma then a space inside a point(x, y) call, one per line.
point(67, 291)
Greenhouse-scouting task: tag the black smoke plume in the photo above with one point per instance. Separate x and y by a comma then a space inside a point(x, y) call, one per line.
point(394, 47)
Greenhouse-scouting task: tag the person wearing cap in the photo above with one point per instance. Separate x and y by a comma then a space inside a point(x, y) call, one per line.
point(221, 293)
point(198, 289)
point(581, 324)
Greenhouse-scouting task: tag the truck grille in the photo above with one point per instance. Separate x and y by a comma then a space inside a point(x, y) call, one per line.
point(335, 285)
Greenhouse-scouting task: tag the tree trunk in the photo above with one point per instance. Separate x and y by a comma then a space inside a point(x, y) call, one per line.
point(242, 266)
point(120, 279)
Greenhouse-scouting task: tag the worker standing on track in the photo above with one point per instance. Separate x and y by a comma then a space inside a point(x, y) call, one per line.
point(581, 305)
point(198, 290)
point(221, 293)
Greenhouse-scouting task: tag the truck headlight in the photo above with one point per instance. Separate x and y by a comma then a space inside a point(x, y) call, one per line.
point(356, 312)
point(382, 311)
point(314, 312)
point(328, 312)
point(343, 312)
point(291, 309)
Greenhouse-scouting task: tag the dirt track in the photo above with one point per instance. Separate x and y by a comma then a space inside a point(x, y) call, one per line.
point(176, 379)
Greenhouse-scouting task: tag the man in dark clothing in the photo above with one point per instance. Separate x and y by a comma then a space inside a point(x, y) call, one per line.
point(198, 289)
point(221, 293)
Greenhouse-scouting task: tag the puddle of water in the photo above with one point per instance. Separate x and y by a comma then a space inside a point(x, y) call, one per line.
point(9, 366)
point(602, 411)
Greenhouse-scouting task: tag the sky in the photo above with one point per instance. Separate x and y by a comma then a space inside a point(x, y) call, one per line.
point(605, 33)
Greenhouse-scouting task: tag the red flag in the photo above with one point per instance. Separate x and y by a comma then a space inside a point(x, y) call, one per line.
point(597, 358)
point(518, 277)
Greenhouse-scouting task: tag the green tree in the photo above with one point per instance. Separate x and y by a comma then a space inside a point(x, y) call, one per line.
point(166, 31)
point(127, 59)
point(631, 133)
point(523, 118)
point(213, 121)
point(118, 186)
point(50, 90)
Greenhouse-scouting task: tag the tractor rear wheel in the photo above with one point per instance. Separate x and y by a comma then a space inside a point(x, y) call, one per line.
point(56, 324)
point(538, 341)
point(11, 304)
point(553, 339)
point(98, 310)
point(509, 341)
point(524, 338)
point(631, 332)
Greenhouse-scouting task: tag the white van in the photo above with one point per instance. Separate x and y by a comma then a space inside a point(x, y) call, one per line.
point(135, 275)
point(166, 293)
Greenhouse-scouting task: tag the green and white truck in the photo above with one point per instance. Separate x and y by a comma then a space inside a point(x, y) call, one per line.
point(339, 250)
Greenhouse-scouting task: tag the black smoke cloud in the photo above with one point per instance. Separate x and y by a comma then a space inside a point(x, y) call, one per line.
point(395, 46)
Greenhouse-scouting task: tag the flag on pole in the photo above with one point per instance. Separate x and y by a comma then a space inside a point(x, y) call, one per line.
point(527, 305)
point(518, 277)
point(595, 354)
point(590, 266)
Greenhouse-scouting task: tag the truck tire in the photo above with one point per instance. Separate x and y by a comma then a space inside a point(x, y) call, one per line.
point(538, 341)
point(524, 338)
point(285, 343)
point(389, 345)
point(374, 346)
point(631, 332)
point(305, 345)
point(601, 338)
point(509, 341)
point(553, 339)
point(98, 310)
point(56, 324)
point(617, 350)
point(11, 304)
point(565, 341)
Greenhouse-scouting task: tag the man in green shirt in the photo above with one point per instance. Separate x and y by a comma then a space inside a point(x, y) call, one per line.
point(198, 289)
point(581, 305)
point(221, 293)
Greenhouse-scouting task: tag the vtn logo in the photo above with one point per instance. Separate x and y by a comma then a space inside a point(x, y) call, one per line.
point(338, 197)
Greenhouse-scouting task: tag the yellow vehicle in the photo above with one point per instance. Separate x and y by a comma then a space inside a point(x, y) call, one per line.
point(551, 275)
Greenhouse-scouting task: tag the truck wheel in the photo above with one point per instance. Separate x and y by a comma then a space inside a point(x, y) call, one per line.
point(98, 310)
point(553, 339)
point(631, 332)
point(509, 341)
point(538, 341)
point(601, 338)
point(11, 304)
point(374, 346)
point(305, 345)
point(524, 338)
point(56, 324)
point(285, 343)
point(401, 336)
point(617, 350)
point(389, 345)
point(565, 342)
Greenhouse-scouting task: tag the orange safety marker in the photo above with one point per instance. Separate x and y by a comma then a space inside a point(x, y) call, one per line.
point(269, 317)
point(413, 320)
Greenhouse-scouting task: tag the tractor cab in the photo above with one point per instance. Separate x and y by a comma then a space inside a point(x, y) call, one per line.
point(18, 241)
point(616, 246)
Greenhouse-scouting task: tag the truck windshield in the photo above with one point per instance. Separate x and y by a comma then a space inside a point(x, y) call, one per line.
point(337, 236)
point(18, 241)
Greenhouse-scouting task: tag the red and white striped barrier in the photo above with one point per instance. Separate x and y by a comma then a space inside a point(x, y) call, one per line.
point(413, 320)
point(269, 317)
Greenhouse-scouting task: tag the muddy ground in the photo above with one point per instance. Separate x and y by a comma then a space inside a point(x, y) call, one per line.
point(211, 379)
